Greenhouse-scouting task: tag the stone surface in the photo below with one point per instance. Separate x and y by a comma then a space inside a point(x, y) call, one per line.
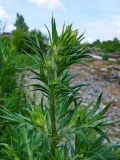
point(102, 77)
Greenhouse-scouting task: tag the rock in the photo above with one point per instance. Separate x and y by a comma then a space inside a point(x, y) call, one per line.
point(103, 69)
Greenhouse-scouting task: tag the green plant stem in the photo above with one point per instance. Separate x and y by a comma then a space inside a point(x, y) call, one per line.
point(53, 122)
point(28, 148)
point(77, 140)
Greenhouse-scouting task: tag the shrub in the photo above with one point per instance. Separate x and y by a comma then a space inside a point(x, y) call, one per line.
point(105, 56)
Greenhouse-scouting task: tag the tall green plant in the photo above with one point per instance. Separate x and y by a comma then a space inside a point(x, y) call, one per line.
point(60, 128)
point(12, 95)
point(10, 81)
point(7, 67)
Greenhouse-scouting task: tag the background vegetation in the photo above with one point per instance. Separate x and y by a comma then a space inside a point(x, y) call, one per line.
point(110, 46)
point(22, 31)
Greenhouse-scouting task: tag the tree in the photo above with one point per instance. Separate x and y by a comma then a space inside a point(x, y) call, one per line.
point(20, 34)
point(109, 46)
point(20, 23)
point(96, 43)
point(18, 38)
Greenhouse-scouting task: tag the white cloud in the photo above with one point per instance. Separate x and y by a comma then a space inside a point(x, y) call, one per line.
point(9, 28)
point(90, 39)
point(3, 13)
point(50, 4)
point(105, 29)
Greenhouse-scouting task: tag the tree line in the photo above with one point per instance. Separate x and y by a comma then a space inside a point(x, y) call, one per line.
point(108, 46)
point(21, 34)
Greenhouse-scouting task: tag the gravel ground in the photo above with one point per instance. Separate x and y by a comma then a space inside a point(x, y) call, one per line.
point(102, 77)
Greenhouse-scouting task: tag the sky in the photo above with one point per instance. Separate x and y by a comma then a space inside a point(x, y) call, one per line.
point(99, 19)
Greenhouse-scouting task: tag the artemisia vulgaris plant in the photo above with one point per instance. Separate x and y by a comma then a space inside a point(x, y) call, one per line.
point(60, 127)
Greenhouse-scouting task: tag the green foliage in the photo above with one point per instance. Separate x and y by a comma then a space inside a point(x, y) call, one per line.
point(118, 154)
point(10, 80)
point(37, 37)
point(60, 127)
point(7, 67)
point(18, 39)
point(22, 61)
point(109, 46)
point(26, 145)
point(21, 35)
point(105, 56)
point(20, 23)
point(118, 61)
point(20, 43)
point(12, 94)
